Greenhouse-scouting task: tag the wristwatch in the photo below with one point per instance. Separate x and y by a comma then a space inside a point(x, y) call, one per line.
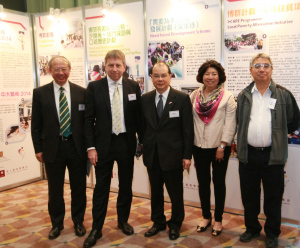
point(222, 146)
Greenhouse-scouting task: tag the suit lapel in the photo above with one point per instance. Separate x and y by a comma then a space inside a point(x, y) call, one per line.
point(51, 97)
point(105, 93)
point(73, 94)
point(168, 106)
point(152, 108)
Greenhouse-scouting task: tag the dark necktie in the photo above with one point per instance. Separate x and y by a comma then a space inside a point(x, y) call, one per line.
point(160, 107)
point(65, 122)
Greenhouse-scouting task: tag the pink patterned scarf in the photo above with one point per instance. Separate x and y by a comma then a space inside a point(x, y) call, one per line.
point(206, 110)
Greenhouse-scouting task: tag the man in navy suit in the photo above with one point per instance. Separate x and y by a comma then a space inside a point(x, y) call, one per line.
point(58, 140)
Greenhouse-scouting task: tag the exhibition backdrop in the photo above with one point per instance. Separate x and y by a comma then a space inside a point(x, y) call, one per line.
point(17, 79)
point(181, 33)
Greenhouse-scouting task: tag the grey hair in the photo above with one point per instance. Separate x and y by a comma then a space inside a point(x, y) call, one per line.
point(55, 57)
point(115, 54)
point(260, 55)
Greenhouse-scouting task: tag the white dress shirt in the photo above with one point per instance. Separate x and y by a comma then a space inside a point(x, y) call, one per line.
point(67, 93)
point(111, 88)
point(164, 97)
point(260, 124)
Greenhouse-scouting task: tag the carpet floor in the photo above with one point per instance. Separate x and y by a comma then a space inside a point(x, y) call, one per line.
point(25, 223)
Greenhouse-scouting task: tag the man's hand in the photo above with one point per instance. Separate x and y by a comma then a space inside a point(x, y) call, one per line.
point(93, 156)
point(186, 163)
point(39, 157)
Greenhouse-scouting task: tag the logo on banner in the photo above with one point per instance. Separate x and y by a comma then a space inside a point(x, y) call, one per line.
point(22, 152)
point(2, 173)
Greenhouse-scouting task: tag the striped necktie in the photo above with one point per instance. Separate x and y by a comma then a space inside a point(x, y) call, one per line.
point(116, 111)
point(64, 115)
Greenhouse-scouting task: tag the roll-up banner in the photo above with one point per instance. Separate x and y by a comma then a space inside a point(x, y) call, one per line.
point(183, 34)
point(252, 27)
point(122, 28)
point(17, 79)
point(61, 34)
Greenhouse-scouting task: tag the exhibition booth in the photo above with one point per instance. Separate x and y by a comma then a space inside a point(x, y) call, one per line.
point(229, 31)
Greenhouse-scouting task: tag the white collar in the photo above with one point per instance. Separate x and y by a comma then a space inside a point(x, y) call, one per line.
point(254, 88)
point(165, 94)
point(110, 81)
point(66, 86)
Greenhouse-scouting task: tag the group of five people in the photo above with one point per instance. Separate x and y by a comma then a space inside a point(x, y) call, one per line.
point(102, 122)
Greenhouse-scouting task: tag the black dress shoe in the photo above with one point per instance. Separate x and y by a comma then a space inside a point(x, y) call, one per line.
point(55, 232)
point(79, 230)
point(126, 228)
point(248, 236)
point(153, 231)
point(174, 234)
point(272, 242)
point(91, 240)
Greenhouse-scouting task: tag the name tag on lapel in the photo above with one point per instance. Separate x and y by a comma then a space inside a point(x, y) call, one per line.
point(272, 103)
point(81, 107)
point(173, 114)
point(131, 97)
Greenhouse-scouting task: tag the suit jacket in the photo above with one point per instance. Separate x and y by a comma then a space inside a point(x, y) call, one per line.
point(45, 128)
point(98, 116)
point(173, 136)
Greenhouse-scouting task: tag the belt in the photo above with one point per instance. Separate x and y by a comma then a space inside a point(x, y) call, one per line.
point(63, 138)
point(260, 149)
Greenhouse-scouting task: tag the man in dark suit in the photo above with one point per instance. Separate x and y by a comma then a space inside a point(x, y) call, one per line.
point(168, 140)
point(112, 119)
point(58, 140)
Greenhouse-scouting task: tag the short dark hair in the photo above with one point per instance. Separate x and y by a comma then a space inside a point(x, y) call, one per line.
point(96, 68)
point(162, 64)
point(175, 56)
point(211, 63)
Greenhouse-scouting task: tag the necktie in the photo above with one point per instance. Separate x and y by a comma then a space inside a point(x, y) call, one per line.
point(64, 115)
point(160, 107)
point(116, 111)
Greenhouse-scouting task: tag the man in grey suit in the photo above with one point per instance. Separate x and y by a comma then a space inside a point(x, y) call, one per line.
point(168, 140)
point(58, 140)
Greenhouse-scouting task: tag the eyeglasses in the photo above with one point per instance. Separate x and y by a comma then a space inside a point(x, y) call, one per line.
point(265, 66)
point(163, 76)
point(58, 70)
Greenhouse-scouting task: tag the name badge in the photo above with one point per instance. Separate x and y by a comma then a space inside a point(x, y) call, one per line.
point(131, 97)
point(173, 114)
point(81, 107)
point(272, 103)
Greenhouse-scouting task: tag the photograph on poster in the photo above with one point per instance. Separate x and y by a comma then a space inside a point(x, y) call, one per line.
point(188, 89)
point(141, 82)
point(25, 108)
point(13, 134)
point(44, 66)
point(243, 42)
point(74, 37)
point(96, 70)
point(169, 52)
